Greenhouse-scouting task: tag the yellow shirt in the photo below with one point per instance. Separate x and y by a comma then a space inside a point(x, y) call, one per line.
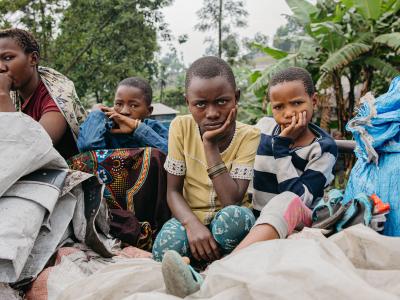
point(186, 157)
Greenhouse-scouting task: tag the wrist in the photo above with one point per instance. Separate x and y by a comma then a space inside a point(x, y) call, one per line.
point(190, 220)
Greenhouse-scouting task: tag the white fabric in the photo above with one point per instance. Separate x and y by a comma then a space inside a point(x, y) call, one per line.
point(354, 264)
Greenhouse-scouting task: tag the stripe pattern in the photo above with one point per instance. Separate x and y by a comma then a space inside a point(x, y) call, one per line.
point(305, 171)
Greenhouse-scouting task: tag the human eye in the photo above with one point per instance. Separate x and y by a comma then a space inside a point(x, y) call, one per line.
point(221, 101)
point(297, 103)
point(277, 107)
point(8, 57)
point(200, 104)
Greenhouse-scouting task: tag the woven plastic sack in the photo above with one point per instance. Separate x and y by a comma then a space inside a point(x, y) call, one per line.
point(376, 130)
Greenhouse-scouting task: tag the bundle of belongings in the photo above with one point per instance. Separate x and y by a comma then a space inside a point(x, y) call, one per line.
point(135, 190)
point(332, 214)
point(47, 209)
point(376, 130)
point(42, 203)
point(373, 187)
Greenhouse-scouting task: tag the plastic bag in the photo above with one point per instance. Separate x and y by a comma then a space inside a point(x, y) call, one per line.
point(376, 130)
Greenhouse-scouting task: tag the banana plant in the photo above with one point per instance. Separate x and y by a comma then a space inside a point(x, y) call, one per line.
point(359, 39)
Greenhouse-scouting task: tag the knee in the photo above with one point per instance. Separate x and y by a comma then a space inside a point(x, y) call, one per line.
point(235, 216)
point(231, 225)
point(172, 236)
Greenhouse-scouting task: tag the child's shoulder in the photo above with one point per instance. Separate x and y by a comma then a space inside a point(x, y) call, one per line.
point(246, 130)
point(325, 140)
point(184, 123)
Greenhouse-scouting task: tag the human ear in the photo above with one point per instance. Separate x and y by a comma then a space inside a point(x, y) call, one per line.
point(34, 58)
point(150, 109)
point(314, 100)
point(237, 95)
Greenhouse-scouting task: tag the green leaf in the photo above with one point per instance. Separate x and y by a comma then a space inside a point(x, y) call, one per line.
point(391, 40)
point(308, 48)
point(385, 68)
point(302, 10)
point(344, 56)
point(328, 34)
point(369, 9)
point(274, 53)
point(266, 74)
point(254, 76)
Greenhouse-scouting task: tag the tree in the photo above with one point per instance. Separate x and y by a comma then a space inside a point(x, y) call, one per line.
point(39, 16)
point(222, 15)
point(287, 36)
point(94, 42)
point(102, 42)
point(355, 39)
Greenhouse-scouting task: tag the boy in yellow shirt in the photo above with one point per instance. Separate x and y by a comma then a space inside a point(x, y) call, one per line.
point(209, 164)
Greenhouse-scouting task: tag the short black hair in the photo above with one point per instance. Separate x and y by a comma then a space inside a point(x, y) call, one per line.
point(293, 74)
point(209, 67)
point(141, 84)
point(24, 39)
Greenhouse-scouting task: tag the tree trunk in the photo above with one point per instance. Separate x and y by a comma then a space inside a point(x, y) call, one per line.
point(98, 99)
point(337, 84)
point(325, 113)
point(220, 29)
point(351, 94)
point(367, 83)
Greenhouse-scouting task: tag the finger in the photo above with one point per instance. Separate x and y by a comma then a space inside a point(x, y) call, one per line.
point(215, 249)
point(201, 251)
point(293, 123)
point(115, 116)
point(193, 250)
point(305, 117)
point(106, 109)
point(116, 130)
point(300, 120)
point(208, 251)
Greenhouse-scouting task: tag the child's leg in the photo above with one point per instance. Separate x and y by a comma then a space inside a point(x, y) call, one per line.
point(278, 219)
point(180, 278)
point(230, 225)
point(172, 236)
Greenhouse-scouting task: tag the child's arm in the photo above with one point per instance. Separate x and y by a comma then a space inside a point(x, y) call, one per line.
point(316, 175)
point(229, 190)
point(201, 242)
point(155, 136)
point(92, 132)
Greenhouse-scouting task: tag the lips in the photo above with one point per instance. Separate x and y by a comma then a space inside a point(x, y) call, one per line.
point(212, 126)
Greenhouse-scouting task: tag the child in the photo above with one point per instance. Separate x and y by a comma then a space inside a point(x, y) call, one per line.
point(45, 95)
point(294, 163)
point(125, 125)
point(294, 160)
point(209, 165)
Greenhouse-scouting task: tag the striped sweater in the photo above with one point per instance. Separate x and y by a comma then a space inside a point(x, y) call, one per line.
point(305, 171)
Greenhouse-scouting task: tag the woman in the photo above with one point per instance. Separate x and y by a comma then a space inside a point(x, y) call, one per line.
point(42, 93)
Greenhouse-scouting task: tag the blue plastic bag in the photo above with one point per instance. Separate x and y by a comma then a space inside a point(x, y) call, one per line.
point(376, 130)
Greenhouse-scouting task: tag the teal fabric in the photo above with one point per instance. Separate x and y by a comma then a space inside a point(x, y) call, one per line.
point(229, 226)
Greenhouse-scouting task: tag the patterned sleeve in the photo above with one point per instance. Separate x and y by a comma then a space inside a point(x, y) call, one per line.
point(175, 162)
point(243, 165)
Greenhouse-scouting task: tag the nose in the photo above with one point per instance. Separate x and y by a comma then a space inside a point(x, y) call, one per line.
point(3, 67)
point(212, 112)
point(125, 110)
point(288, 113)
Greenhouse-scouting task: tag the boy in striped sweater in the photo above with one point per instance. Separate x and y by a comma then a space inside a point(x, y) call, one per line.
point(294, 160)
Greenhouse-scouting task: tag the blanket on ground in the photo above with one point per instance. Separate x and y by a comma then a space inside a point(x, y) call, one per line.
point(356, 263)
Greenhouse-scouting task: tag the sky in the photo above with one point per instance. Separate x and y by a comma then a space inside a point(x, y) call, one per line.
point(265, 16)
